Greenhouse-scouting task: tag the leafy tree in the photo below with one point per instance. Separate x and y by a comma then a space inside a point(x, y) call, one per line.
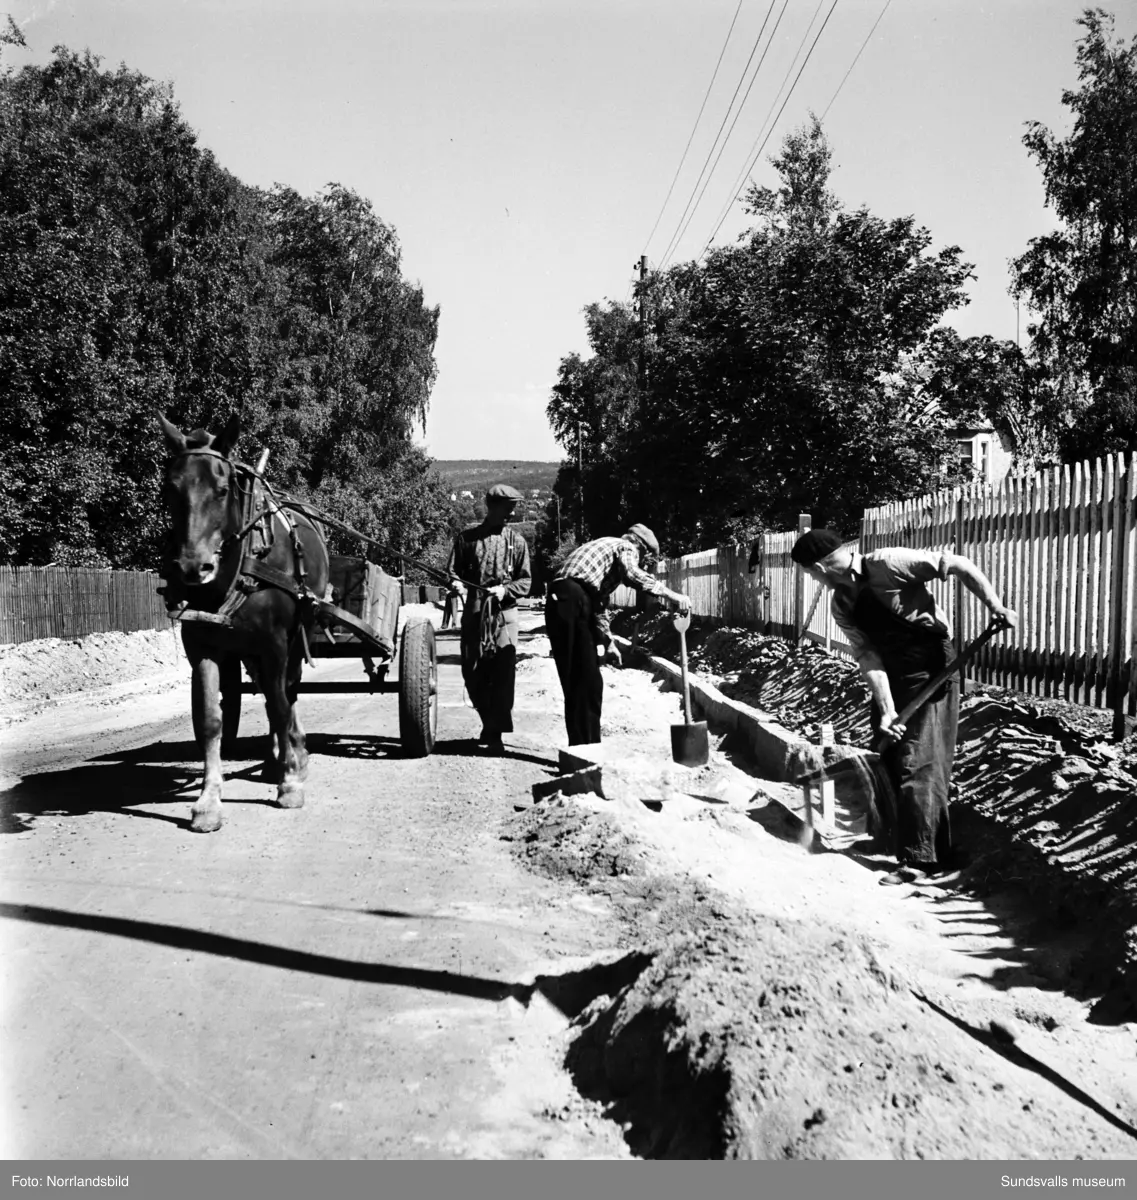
point(352, 369)
point(1080, 279)
point(779, 373)
point(137, 274)
point(119, 294)
point(593, 408)
point(982, 379)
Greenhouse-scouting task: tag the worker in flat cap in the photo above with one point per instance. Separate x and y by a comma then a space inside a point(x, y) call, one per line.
point(578, 621)
point(493, 557)
point(901, 638)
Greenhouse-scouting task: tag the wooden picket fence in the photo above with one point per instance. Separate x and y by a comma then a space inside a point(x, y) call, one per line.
point(776, 597)
point(1060, 548)
point(66, 602)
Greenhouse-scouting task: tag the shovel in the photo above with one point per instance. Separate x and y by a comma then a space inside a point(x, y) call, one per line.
point(933, 685)
point(690, 746)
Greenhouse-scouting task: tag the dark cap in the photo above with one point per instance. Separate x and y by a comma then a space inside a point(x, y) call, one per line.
point(502, 491)
point(815, 545)
point(645, 535)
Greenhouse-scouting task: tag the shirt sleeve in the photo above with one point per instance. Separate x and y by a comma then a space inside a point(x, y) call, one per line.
point(602, 624)
point(915, 566)
point(453, 571)
point(522, 579)
point(633, 575)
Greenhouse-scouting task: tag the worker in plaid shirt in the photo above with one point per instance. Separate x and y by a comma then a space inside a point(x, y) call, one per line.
point(576, 616)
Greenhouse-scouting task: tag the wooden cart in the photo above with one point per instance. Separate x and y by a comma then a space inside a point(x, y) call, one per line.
point(360, 619)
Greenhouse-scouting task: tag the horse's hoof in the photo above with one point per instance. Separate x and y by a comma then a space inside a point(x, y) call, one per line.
point(290, 795)
point(206, 822)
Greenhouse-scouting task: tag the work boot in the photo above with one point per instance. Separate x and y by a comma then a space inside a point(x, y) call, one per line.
point(493, 746)
point(906, 873)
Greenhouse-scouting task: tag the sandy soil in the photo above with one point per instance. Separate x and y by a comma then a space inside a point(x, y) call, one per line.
point(36, 675)
point(1043, 796)
point(423, 963)
point(353, 979)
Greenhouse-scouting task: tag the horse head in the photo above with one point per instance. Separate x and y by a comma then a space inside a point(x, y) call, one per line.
point(203, 498)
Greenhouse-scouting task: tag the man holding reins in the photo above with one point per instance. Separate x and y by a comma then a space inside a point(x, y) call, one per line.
point(901, 638)
point(495, 557)
point(578, 622)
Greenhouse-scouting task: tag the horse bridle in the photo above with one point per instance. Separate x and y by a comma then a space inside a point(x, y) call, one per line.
point(245, 478)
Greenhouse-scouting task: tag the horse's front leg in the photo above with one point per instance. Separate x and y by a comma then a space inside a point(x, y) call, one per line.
point(296, 736)
point(290, 785)
point(206, 694)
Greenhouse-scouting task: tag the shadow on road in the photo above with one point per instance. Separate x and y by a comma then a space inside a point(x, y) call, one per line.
point(272, 956)
point(371, 746)
point(163, 772)
point(353, 745)
point(469, 748)
point(170, 772)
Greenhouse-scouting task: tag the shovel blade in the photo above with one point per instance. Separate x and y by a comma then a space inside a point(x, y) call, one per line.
point(690, 744)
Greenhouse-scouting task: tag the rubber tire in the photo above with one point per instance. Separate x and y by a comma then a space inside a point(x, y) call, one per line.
point(418, 689)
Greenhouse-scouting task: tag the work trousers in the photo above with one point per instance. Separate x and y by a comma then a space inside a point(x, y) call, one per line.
point(919, 766)
point(490, 678)
point(568, 620)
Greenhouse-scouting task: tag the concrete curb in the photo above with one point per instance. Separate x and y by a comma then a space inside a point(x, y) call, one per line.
point(771, 745)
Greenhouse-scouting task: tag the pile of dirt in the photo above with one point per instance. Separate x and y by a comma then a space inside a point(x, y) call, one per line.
point(757, 1037)
point(767, 674)
point(34, 674)
point(1050, 795)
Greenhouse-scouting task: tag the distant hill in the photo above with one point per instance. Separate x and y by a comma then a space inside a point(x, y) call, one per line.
point(477, 474)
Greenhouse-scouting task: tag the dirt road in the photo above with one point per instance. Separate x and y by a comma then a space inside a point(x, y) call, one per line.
point(354, 979)
point(330, 982)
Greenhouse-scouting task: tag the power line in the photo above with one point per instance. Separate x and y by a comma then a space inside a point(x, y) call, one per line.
point(726, 115)
point(679, 237)
point(857, 59)
point(675, 178)
point(734, 188)
point(758, 154)
point(683, 232)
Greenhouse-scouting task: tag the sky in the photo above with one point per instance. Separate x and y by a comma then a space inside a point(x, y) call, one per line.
point(523, 149)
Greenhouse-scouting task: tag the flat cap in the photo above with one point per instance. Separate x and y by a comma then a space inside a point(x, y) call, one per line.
point(502, 491)
point(646, 536)
point(815, 545)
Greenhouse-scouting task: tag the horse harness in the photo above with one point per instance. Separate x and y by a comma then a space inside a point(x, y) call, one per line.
point(260, 509)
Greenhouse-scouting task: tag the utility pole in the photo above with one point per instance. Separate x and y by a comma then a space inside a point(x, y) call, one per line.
point(580, 487)
point(642, 376)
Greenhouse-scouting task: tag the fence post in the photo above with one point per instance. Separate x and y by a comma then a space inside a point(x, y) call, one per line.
point(804, 524)
point(1122, 523)
point(959, 588)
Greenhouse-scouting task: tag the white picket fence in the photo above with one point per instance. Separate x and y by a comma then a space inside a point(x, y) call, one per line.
point(1059, 546)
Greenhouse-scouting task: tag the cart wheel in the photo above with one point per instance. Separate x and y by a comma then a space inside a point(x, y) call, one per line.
point(418, 689)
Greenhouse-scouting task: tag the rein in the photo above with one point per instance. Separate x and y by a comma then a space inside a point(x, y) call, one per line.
point(282, 504)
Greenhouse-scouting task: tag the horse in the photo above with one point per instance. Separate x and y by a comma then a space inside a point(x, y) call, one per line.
point(241, 574)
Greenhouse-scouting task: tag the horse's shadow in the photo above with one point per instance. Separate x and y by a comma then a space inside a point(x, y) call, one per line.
point(130, 782)
point(160, 773)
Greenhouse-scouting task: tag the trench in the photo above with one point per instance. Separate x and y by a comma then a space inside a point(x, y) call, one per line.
point(730, 1035)
point(1006, 827)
